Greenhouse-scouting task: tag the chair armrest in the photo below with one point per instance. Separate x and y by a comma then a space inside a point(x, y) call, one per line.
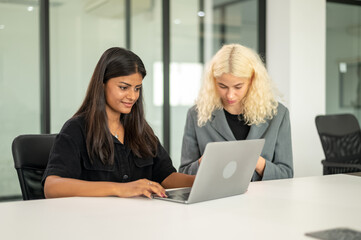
point(340, 165)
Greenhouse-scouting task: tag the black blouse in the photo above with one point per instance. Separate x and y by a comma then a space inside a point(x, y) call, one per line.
point(69, 159)
point(238, 126)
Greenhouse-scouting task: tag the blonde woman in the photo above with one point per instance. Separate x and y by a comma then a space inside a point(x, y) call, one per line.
point(237, 102)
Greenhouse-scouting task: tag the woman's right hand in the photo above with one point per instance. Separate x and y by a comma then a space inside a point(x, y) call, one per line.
point(142, 187)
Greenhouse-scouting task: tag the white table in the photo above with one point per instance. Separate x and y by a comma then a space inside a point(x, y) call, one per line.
point(280, 209)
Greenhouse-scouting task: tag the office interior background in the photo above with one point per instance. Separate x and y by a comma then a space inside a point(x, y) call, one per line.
point(312, 50)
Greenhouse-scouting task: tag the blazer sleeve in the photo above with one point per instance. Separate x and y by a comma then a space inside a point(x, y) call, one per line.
point(281, 166)
point(190, 150)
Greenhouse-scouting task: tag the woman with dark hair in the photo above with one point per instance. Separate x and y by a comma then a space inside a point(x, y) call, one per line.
point(107, 148)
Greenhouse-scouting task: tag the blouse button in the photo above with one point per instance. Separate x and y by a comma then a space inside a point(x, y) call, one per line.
point(125, 177)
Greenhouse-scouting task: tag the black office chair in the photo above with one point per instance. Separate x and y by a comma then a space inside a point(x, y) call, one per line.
point(31, 153)
point(340, 137)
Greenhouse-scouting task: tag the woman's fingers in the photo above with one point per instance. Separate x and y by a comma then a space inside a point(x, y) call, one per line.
point(157, 189)
point(147, 193)
point(153, 187)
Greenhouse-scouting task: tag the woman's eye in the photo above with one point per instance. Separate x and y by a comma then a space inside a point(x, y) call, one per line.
point(123, 88)
point(137, 89)
point(223, 87)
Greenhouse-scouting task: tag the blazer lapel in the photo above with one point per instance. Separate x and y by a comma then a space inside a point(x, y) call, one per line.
point(220, 124)
point(257, 131)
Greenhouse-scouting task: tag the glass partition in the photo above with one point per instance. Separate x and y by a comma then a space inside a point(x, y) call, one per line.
point(80, 31)
point(146, 41)
point(19, 83)
point(198, 30)
point(343, 59)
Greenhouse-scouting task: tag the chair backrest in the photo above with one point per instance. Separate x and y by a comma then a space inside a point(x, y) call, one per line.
point(337, 124)
point(340, 137)
point(31, 153)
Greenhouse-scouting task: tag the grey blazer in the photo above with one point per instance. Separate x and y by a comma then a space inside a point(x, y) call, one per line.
point(277, 149)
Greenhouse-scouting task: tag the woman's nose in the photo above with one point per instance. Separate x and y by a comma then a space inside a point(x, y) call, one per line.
point(230, 93)
point(132, 95)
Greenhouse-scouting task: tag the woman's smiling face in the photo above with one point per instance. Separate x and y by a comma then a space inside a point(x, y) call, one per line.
point(121, 93)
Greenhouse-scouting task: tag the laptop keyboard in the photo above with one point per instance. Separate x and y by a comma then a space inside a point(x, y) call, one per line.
point(179, 194)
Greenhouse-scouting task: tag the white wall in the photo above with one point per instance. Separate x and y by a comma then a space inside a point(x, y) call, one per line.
point(296, 43)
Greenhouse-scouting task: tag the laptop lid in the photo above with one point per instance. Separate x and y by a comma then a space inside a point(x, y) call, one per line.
point(226, 170)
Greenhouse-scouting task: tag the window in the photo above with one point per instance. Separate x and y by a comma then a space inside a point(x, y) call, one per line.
point(19, 83)
point(343, 60)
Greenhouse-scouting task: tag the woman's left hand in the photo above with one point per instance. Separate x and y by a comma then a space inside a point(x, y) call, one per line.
point(261, 164)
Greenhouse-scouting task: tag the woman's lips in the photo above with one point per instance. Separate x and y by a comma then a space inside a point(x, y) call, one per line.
point(128, 105)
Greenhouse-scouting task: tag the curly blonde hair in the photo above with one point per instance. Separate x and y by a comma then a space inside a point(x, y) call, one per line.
point(258, 105)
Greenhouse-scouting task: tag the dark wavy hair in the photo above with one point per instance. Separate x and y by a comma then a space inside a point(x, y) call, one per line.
point(139, 136)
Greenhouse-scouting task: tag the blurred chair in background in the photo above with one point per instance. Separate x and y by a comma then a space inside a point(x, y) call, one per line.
point(341, 142)
point(31, 153)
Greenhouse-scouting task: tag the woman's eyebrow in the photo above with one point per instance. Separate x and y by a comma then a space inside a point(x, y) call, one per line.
point(139, 85)
point(126, 83)
point(236, 85)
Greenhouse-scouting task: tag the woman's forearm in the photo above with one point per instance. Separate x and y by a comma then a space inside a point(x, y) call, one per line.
point(177, 180)
point(56, 186)
point(67, 187)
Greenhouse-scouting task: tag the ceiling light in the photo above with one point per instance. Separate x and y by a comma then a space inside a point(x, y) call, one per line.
point(201, 14)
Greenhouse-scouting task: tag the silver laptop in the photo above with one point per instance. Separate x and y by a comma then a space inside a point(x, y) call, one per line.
point(226, 170)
